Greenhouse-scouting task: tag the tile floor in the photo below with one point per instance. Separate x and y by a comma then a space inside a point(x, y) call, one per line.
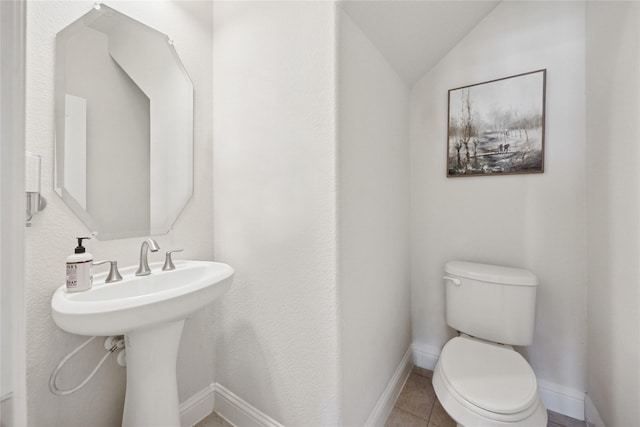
point(416, 406)
point(214, 420)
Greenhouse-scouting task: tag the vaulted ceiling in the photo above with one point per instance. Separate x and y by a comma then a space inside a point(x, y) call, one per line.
point(414, 35)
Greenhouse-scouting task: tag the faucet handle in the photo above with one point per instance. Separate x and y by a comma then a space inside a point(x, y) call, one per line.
point(168, 262)
point(114, 274)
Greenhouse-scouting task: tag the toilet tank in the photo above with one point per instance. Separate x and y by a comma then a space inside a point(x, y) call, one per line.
point(491, 302)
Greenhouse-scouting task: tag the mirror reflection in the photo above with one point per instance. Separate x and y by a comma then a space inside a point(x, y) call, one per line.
point(124, 125)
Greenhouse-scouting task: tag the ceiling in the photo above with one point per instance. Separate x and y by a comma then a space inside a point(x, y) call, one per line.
point(413, 35)
point(225, 11)
point(200, 11)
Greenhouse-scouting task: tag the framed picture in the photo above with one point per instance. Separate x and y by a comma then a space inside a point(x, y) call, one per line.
point(497, 127)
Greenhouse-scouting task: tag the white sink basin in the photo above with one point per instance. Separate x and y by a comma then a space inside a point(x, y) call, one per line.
point(140, 301)
point(150, 312)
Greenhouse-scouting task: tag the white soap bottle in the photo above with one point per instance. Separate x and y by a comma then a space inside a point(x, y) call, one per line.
point(79, 269)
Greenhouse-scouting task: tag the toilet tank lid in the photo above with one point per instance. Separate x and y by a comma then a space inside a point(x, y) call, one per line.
point(491, 273)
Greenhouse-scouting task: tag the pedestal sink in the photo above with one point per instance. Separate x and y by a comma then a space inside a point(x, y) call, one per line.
point(150, 312)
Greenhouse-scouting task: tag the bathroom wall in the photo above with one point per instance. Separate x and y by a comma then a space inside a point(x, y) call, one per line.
point(373, 221)
point(12, 203)
point(277, 330)
point(51, 238)
point(613, 198)
point(5, 288)
point(536, 222)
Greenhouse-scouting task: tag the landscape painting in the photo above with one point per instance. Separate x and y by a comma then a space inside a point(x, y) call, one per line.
point(497, 127)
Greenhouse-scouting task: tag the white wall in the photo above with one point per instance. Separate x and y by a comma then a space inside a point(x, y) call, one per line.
point(51, 238)
point(537, 221)
point(6, 128)
point(5, 288)
point(373, 221)
point(275, 208)
point(613, 183)
point(12, 205)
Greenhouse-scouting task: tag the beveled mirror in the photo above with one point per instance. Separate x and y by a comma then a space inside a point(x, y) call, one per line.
point(124, 125)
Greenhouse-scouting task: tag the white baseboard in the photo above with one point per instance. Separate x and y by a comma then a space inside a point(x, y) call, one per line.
point(425, 357)
point(6, 410)
point(238, 412)
point(387, 400)
point(563, 400)
point(591, 414)
point(197, 407)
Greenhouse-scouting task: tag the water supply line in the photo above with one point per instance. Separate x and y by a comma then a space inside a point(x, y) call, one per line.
point(111, 344)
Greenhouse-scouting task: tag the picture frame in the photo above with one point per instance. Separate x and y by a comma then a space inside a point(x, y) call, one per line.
point(497, 127)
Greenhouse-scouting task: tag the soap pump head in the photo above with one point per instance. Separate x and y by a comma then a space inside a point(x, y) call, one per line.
point(81, 249)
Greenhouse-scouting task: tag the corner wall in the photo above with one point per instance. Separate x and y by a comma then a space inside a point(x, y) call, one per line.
point(51, 238)
point(275, 207)
point(373, 221)
point(613, 184)
point(12, 201)
point(530, 221)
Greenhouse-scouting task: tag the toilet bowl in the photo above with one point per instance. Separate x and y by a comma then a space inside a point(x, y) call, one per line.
point(480, 383)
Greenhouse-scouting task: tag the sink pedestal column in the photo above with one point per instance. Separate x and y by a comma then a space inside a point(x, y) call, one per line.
point(152, 391)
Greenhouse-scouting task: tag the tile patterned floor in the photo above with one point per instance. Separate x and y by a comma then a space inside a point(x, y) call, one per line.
point(214, 420)
point(417, 406)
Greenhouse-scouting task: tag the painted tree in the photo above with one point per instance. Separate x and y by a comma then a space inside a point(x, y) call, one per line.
point(467, 129)
point(458, 146)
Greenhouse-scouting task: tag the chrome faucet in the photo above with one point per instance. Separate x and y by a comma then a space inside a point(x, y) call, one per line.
point(143, 267)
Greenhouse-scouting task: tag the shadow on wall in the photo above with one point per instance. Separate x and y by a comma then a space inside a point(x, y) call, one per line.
point(248, 352)
point(197, 11)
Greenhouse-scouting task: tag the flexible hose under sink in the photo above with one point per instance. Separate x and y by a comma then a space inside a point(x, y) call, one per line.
point(54, 375)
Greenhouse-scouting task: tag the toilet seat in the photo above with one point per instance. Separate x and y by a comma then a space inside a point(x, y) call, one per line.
point(483, 383)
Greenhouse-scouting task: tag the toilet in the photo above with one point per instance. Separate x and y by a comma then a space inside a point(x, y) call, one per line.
point(480, 380)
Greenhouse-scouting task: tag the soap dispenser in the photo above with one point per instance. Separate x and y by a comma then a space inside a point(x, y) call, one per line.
point(79, 269)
